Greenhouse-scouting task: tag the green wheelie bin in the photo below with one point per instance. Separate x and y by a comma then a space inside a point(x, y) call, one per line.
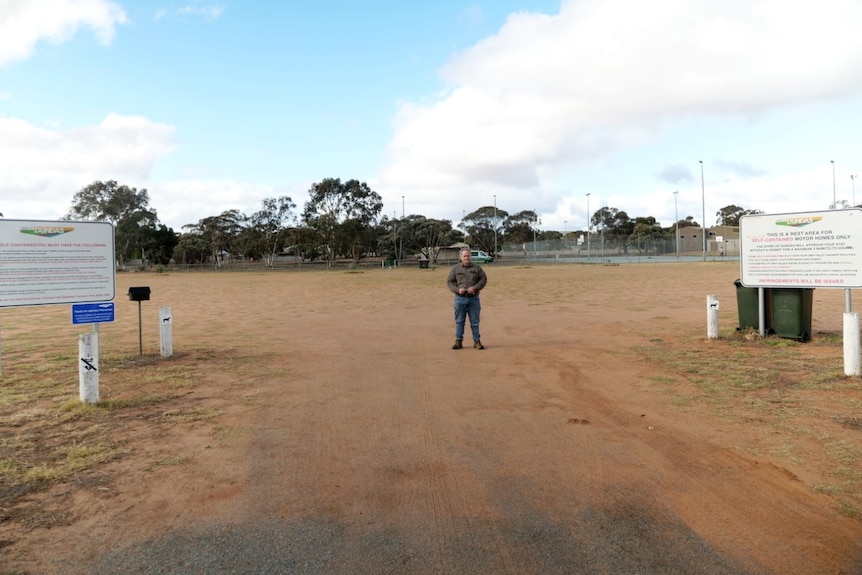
point(747, 307)
point(791, 312)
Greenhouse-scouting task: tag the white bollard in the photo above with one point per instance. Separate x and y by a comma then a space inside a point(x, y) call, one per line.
point(166, 331)
point(712, 316)
point(88, 368)
point(851, 344)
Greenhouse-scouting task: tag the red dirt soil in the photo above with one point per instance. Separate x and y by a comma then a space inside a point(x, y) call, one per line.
point(332, 403)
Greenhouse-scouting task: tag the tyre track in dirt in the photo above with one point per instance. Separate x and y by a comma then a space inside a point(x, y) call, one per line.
point(705, 485)
point(448, 483)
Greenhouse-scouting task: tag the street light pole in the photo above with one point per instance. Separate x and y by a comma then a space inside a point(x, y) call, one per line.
point(566, 233)
point(603, 233)
point(402, 207)
point(852, 183)
point(589, 230)
point(495, 225)
point(703, 208)
point(535, 219)
point(676, 215)
point(395, 226)
point(834, 197)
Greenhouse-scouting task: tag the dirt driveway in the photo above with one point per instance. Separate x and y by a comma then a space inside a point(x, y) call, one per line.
point(318, 422)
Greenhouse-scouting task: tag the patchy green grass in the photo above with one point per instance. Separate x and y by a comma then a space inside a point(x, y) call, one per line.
point(47, 435)
point(795, 392)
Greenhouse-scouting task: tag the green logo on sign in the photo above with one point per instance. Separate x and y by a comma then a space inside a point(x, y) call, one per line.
point(47, 231)
point(798, 222)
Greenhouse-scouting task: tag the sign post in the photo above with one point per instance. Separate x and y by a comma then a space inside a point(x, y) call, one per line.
point(88, 367)
point(88, 346)
point(50, 262)
point(806, 250)
point(43, 263)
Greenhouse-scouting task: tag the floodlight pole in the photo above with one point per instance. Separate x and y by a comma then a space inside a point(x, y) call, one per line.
point(676, 215)
point(703, 208)
point(534, 235)
point(589, 230)
point(495, 225)
point(834, 197)
point(603, 234)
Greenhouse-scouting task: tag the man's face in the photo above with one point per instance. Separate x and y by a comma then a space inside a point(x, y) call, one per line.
point(465, 258)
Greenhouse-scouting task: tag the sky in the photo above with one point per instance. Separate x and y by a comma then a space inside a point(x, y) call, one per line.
point(667, 108)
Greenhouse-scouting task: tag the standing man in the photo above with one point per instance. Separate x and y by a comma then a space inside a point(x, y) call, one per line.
point(466, 280)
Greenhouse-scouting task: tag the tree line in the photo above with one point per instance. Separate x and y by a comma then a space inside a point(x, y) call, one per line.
point(339, 220)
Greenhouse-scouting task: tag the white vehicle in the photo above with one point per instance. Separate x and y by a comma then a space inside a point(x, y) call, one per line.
point(480, 257)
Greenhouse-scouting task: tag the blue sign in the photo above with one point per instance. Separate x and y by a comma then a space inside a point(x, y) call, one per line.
point(92, 312)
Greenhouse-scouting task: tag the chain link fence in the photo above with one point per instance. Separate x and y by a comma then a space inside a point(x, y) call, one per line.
point(620, 247)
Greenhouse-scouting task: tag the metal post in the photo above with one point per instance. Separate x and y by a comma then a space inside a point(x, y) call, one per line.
point(140, 331)
point(834, 197)
point(853, 185)
point(589, 230)
point(676, 215)
point(602, 210)
point(495, 225)
point(534, 237)
point(703, 207)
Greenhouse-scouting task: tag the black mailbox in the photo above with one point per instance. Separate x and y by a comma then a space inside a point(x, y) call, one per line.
point(139, 293)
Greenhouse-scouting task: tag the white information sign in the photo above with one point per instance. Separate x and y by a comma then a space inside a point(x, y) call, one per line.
point(46, 262)
point(809, 250)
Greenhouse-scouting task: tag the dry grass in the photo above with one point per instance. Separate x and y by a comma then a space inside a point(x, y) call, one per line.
point(793, 398)
point(47, 435)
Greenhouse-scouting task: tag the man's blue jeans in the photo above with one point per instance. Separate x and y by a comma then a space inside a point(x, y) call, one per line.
point(464, 307)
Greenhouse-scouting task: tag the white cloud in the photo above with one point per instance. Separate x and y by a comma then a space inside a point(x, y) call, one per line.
point(39, 165)
point(549, 94)
point(207, 12)
point(24, 23)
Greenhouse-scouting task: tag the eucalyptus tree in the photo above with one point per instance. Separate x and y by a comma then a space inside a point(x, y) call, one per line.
point(271, 224)
point(390, 238)
point(220, 234)
point(730, 215)
point(344, 215)
point(159, 243)
point(603, 218)
point(425, 236)
point(518, 228)
point(191, 248)
point(135, 223)
point(483, 227)
point(646, 234)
